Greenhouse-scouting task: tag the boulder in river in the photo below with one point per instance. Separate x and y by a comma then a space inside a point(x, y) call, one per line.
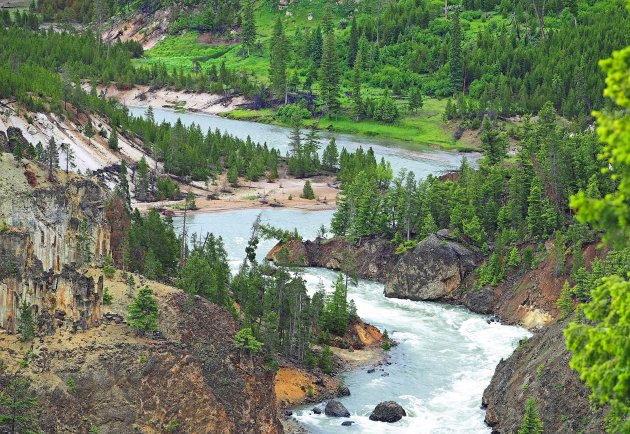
point(347, 423)
point(317, 410)
point(388, 411)
point(335, 408)
point(433, 270)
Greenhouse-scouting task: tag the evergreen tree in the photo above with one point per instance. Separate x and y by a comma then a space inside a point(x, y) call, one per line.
point(415, 99)
point(455, 55)
point(535, 220)
point(113, 140)
point(248, 26)
point(278, 62)
point(353, 42)
point(142, 180)
point(18, 405)
point(123, 185)
point(18, 153)
point(307, 191)
point(565, 301)
point(493, 142)
point(88, 130)
point(26, 322)
point(52, 157)
point(143, 312)
point(531, 422)
point(329, 75)
point(357, 101)
point(330, 156)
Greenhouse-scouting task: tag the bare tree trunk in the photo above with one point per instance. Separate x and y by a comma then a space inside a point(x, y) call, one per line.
point(446, 9)
point(540, 15)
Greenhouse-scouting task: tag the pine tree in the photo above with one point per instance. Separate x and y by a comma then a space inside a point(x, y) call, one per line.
point(142, 180)
point(329, 75)
point(143, 311)
point(26, 322)
point(327, 19)
point(535, 221)
point(52, 157)
point(18, 405)
point(493, 142)
point(514, 259)
point(307, 191)
point(123, 185)
point(531, 422)
point(18, 153)
point(88, 130)
point(330, 156)
point(278, 62)
point(248, 27)
point(565, 302)
point(113, 140)
point(415, 99)
point(455, 55)
point(353, 42)
point(357, 101)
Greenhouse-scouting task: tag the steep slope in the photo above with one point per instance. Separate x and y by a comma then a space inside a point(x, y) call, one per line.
point(539, 369)
point(87, 368)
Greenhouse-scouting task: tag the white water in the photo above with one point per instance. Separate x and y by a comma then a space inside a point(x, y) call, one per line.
point(446, 355)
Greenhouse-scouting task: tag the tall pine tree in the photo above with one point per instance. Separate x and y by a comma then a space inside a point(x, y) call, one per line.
point(278, 62)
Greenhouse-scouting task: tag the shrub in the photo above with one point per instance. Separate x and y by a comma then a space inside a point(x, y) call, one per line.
point(143, 311)
point(245, 339)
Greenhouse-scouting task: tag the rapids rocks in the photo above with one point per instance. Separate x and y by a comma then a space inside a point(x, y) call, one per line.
point(335, 408)
point(388, 411)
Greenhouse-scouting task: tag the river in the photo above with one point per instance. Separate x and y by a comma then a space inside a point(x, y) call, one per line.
point(446, 355)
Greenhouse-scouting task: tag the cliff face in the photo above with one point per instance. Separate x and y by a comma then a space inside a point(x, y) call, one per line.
point(188, 378)
point(540, 369)
point(373, 258)
point(46, 228)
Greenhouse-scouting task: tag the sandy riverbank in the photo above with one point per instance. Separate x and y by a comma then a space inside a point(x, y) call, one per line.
point(284, 192)
point(143, 96)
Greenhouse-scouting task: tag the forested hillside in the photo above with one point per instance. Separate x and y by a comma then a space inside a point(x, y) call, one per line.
point(381, 63)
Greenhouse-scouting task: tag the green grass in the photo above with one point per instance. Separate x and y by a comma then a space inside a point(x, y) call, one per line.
point(416, 132)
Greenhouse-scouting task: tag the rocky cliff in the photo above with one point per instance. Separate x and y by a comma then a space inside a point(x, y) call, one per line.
point(372, 258)
point(189, 377)
point(539, 369)
point(46, 228)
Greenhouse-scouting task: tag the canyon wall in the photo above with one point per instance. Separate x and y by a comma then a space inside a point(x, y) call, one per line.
point(47, 229)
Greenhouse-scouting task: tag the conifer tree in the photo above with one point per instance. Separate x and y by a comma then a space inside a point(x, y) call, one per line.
point(307, 191)
point(493, 142)
point(278, 62)
point(18, 405)
point(535, 219)
point(455, 55)
point(415, 99)
point(329, 75)
point(353, 42)
point(26, 322)
point(88, 130)
point(142, 180)
point(143, 311)
point(248, 26)
point(565, 301)
point(357, 101)
point(123, 185)
point(113, 140)
point(531, 422)
point(330, 156)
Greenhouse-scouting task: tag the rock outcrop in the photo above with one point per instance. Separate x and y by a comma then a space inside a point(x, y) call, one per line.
point(433, 270)
point(373, 257)
point(335, 408)
point(189, 376)
point(388, 411)
point(46, 228)
point(539, 368)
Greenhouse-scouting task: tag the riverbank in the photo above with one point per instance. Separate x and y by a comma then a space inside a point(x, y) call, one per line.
point(282, 193)
point(420, 132)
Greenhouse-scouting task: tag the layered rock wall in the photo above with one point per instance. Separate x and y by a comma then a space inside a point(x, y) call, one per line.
point(47, 228)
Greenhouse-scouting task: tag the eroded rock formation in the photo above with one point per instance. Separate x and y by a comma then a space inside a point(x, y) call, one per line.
point(47, 228)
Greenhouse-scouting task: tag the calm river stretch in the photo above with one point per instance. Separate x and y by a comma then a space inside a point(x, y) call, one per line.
point(446, 355)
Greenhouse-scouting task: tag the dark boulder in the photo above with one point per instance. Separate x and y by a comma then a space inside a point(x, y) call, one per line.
point(433, 270)
point(347, 423)
point(317, 410)
point(388, 411)
point(335, 408)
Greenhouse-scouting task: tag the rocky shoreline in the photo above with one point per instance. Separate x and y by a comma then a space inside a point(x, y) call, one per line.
point(440, 268)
